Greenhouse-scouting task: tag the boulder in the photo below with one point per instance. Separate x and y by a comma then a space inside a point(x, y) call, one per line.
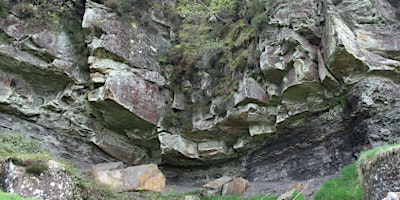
point(381, 173)
point(392, 196)
point(235, 187)
point(40, 179)
point(141, 177)
point(215, 187)
point(191, 197)
point(287, 195)
point(107, 166)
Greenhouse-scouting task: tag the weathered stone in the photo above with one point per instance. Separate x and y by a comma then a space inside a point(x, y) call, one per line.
point(51, 183)
point(369, 101)
point(392, 196)
point(215, 187)
point(191, 197)
point(260, 119)
point(176, 144)
point(108, 166)
point(142, 177)
point(212, 148)
point(108, 66)
point(236, 187)
point(132, 93)
point(380, 174)
point(312, 54)
point(333, 87)
point(120, 147)
point(122, 39)
point(287, 195)
point(381, 40)
point(346, 58)
point(179, 101)
point(250, 92)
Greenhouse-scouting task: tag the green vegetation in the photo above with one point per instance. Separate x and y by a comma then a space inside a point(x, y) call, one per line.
point(347, 186)
point(28, 153)
point(43, 13)
point(8, 196)
point(370, 154)
point(217, 39)
point(15, 144)
point(127, 7)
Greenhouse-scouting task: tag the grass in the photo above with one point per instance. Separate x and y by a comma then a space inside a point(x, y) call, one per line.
point(28, 153)
point(347, 186)
point(13, 143)
point(370, 154)
point(8, 196)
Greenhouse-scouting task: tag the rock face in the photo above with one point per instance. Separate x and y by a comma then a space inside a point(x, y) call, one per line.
point(381, 173)
point(333, 138)
point(298, 88)
point(141, 177)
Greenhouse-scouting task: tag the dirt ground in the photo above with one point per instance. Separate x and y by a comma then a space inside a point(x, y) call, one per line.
point(308, 188)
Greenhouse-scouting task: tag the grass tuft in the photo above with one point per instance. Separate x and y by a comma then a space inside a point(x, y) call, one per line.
point(8, 196)
point(347, 186)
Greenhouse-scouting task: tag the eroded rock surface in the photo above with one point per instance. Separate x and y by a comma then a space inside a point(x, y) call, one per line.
point(141, 177)
point(298, 88)
point(380, 173)
point(53, 182)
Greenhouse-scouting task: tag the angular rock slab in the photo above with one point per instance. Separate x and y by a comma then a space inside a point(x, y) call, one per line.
point(215, 187)
point(250, 91)
point(175, 149)
point(141, 177)
point(236, 187)
point(347, 59)
point(120, 147)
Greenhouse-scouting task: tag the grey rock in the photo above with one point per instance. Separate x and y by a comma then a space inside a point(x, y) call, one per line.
point(53, 183)
point(380, 174)
point(215, 187)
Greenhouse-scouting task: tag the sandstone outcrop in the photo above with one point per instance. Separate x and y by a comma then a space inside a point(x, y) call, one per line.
point(298, 88)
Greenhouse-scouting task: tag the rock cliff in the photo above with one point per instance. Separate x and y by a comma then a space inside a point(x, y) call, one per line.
point(268, 89)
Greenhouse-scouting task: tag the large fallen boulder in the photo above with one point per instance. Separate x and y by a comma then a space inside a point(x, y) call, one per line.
point(141, 177)
point(226, 186)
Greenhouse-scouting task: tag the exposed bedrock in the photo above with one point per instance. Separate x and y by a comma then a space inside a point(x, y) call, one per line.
point(321, 144)
point(292, 91)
